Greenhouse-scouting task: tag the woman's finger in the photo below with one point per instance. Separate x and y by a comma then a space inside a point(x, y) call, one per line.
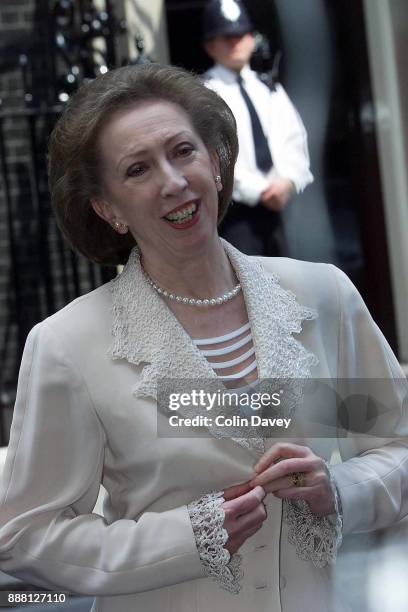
point(282, 483)
point(320, 501)
point(285, 467)
point(245, 503)
point(235, 542)
point(293, 493)
point(251, 520)
point(281, 450)
point(236, 491)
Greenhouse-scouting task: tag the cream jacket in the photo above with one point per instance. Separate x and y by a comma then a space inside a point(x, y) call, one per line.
point(86, 414)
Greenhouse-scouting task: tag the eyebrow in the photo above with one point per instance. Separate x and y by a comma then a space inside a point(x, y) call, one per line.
point(143, 151)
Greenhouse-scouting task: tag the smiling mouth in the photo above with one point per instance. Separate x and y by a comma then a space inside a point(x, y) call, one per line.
point(186, 214)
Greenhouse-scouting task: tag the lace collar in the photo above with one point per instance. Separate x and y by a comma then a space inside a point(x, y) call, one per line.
point(145, 331)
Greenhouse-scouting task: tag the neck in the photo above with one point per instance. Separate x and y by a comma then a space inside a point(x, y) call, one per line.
point(204, 275)
point(235, 69)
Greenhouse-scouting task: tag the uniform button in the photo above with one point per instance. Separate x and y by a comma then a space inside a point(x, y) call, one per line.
point(282, 582)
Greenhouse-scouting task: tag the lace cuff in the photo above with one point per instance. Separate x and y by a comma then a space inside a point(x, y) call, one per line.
point(316, 538)
point(207, 519)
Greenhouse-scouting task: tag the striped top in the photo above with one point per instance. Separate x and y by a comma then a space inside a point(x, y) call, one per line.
point(232, 356)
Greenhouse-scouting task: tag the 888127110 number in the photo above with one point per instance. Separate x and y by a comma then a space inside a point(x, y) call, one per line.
point(14, 598)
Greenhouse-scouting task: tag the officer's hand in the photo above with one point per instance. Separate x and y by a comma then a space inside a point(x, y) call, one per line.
point(276, 195)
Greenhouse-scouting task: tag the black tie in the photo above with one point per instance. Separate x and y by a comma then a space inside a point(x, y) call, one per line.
point(262, 153)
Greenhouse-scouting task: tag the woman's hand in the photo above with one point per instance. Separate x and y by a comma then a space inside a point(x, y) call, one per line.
point(281, 461)
point(244, 514)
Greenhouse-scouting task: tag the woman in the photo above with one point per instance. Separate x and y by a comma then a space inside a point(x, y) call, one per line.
point(145, 156)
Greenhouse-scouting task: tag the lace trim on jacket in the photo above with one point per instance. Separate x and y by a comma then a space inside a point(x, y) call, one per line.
point(279, 354)
point(316, 538)
point(207, 519)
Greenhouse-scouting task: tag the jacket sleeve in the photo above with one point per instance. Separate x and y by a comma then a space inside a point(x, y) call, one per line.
point(49, 535)
point(372, 481)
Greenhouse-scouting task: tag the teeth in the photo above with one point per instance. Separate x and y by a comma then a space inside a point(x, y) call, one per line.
point(182, 214)
point(183, 220)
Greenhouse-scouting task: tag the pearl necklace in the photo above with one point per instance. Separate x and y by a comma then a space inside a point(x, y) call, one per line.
point(225, 297)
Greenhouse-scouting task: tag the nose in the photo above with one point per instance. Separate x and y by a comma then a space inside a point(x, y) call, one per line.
point(173, 181)
point(233, 40)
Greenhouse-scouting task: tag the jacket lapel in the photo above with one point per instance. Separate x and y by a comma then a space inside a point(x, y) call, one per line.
point(275, 315)
point(146, 333)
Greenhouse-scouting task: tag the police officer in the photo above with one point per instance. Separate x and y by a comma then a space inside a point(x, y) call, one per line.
point(273, 160)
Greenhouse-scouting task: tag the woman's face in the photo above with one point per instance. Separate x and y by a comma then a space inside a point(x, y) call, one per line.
point(158, 178)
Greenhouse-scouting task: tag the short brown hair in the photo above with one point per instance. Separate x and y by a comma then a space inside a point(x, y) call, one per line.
point(73, 155)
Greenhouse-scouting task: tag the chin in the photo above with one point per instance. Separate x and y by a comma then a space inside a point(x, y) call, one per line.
point(237, 66)
point(200, 242)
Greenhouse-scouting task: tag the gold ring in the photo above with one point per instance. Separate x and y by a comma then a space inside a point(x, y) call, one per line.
point(297, 479)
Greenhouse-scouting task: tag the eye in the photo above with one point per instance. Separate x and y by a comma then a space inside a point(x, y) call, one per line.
point(135, 170)
point(185, 150)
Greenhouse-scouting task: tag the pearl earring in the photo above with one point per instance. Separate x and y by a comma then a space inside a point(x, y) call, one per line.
point(121, 228)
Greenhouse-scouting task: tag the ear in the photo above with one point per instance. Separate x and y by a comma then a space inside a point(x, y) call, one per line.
point(209, 48)
point(104, 210)
point(215, 163)
point(253, 41)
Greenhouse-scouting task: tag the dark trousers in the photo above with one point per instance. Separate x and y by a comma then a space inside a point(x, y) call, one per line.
point(254, 230)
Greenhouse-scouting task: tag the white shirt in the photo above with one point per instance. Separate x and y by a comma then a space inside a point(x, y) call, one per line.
point(282, 126)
